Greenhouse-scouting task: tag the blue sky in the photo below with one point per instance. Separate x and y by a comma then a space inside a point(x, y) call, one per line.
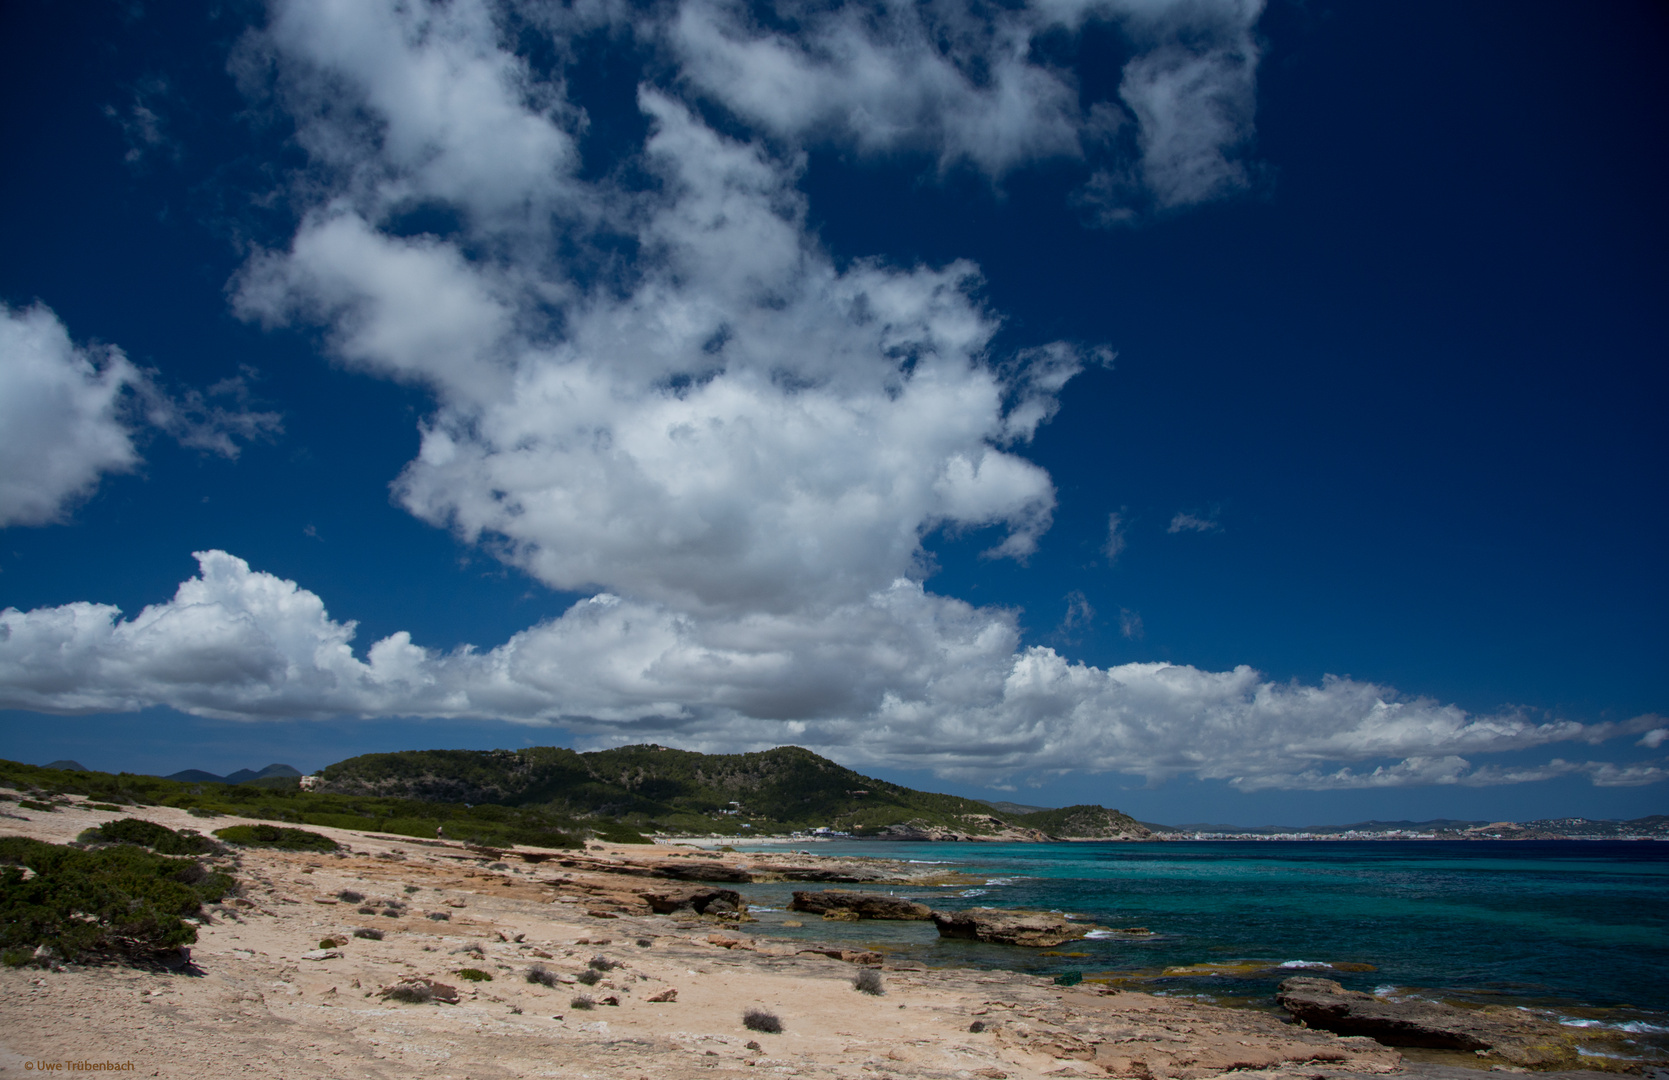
point(1220, 411)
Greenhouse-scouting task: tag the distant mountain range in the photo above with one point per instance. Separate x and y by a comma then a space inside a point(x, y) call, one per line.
point(198, 776)
point(656, 788)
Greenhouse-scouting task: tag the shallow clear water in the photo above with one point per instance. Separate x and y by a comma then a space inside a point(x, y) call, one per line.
point(1577, 929)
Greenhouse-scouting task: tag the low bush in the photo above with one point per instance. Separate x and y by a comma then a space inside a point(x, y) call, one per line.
point(868, 981)
point(108, 808)
point(276, 836)
point(440, 916)
point(601, 963)
point(332, 942)
point(977, 1026)
point(589, 977)
point(350, 896)
point(116, 901)
point(413, 888)
point(582, 1003)
point(644, 943)
point(411, 993)
point(541, 975)
point(473, 975)
point(367, 909)
point(368, 933)
point(760, 1020)
point(159, 838)
point(35, 804)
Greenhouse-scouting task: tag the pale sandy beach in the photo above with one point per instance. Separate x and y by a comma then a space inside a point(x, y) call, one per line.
point(261, 998)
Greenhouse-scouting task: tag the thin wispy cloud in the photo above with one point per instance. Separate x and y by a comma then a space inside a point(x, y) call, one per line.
point(1188, 521)
point(1116, 542)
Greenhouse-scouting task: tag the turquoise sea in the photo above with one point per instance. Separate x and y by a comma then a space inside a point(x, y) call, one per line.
point(1579, 930)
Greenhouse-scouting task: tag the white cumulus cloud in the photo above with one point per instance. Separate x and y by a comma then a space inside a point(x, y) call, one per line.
point(971, 83)
point(61, 417)
point(900, 676)
point(69, 414)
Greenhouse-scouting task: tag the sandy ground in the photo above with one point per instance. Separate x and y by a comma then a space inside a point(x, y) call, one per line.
point(253, 1002)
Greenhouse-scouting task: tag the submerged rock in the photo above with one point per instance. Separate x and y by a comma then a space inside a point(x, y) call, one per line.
point(1036, 929)
point(861, 905)
point(1509, 1034)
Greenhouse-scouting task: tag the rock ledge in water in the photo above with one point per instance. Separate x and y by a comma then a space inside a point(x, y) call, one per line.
point(1036, 929)
point(1508, 1034)
point(863, 905)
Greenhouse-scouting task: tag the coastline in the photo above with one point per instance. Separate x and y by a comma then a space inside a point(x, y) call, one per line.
point(254, 1000)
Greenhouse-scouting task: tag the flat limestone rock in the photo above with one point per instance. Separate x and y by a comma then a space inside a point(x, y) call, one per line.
point(863, 905)
point(1508, 1034)
point(1034, 929)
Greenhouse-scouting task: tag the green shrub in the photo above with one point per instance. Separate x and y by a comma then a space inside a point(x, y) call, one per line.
point(120, 900)
point(106, 807)
point(159, 838)
point(33, 804)
point(275, 836)
point(473, 975)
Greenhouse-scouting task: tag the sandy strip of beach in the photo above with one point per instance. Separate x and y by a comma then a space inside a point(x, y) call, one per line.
point(261, 998)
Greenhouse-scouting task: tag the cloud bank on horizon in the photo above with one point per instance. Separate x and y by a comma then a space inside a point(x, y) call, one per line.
point(657, 388)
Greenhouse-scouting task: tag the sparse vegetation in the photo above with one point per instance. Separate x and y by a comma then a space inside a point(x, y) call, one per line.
point(868, 981)
point(368, 933)
point(644, 943)
point(413, 888)
point(367, 909)
point(440, 916)
point(762, 1021)
point(275, 836)
point(106, 807)
point(589, 977)
point(36, 804)
point(107, 902)
point(332, 942)
point(541, 975)
point(601, 963)
point(977, 1026)
point(583, 1002)
point(350, 896)
point(473, 975)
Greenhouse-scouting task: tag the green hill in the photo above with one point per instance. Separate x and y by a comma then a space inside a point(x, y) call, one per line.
point(1085, 822)
point(654, 787)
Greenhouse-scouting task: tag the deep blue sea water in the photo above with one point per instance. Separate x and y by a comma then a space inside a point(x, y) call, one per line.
point(1576, 929)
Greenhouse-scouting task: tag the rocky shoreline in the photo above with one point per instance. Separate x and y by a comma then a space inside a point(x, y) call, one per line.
point(653, 938)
